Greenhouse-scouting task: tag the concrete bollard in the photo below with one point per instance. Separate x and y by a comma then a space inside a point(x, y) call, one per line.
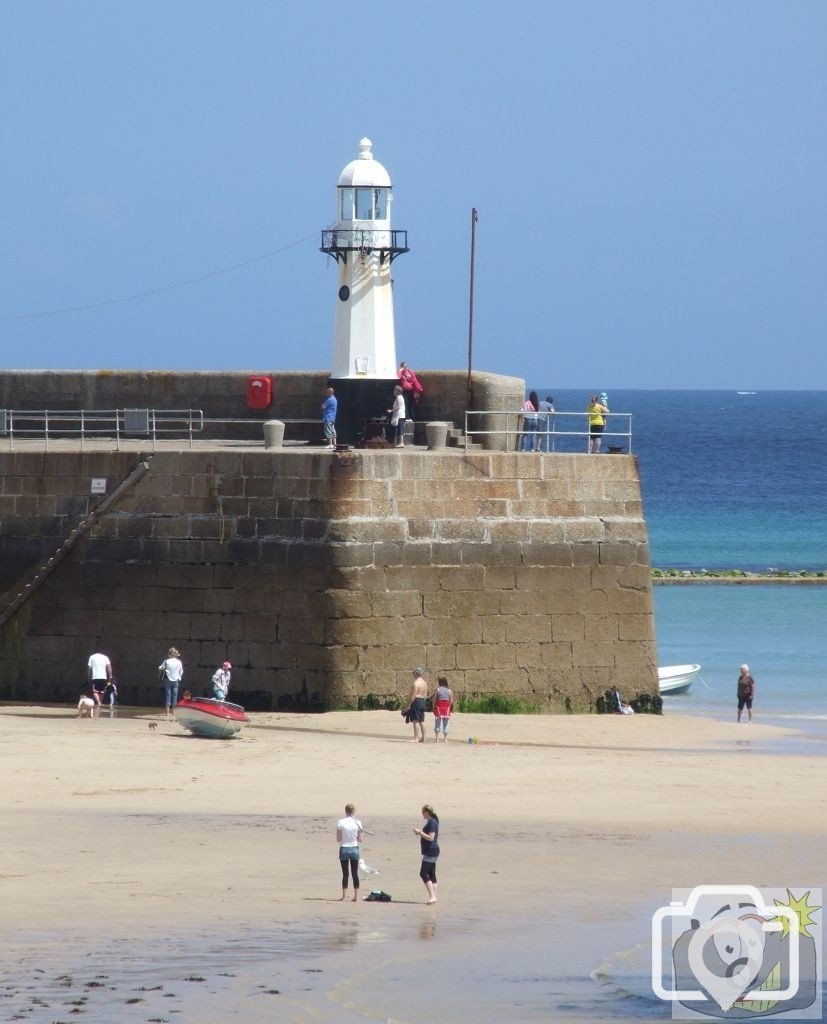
point(436, 434)
point(273, 433)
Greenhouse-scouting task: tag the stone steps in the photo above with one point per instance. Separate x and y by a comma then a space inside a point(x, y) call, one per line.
point(456, 439)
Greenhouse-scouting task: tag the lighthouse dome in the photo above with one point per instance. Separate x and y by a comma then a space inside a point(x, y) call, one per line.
point(364, 171)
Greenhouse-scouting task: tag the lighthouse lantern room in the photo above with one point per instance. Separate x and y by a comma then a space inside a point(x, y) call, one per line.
point(364, 246)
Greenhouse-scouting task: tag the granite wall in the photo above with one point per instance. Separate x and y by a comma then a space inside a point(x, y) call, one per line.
point(325, 577)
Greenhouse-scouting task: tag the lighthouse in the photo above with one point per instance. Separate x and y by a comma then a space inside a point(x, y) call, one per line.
point(364, 246)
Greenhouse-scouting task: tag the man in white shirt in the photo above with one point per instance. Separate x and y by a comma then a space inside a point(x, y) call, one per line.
point(99, 673)
point(171, 672)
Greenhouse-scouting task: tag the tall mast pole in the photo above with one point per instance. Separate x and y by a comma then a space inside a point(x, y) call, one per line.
point(471, 307)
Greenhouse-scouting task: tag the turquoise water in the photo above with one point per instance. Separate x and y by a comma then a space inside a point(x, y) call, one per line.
point(777, 629)
point(729, 480)
point(735, 480)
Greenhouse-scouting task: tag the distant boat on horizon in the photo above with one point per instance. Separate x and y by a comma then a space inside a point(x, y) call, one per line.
point(746, 392)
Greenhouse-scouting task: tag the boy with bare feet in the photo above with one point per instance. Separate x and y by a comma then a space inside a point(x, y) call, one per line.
point(416, 711)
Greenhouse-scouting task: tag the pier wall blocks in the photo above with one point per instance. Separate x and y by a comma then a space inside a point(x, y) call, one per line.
point(325, 577)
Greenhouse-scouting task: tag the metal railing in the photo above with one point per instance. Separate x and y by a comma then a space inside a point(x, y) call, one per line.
point(364, 240)
point(554, 431)
point(94, 424)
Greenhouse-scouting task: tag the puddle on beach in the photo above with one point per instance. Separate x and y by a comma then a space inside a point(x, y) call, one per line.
point(381, 965)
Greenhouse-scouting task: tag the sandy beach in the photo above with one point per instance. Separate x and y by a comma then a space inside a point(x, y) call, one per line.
point(160, 874)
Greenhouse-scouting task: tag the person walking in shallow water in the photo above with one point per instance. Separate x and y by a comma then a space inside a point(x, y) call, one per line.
point(746, 691)
point(429, 848)
point(348, 836)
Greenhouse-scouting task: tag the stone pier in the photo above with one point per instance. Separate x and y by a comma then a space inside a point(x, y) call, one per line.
point(325, 577)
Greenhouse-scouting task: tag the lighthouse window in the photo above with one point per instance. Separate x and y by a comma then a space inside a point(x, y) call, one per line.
point(347, 204)
point(344, 293)
point(381, 201)
point(364, 203)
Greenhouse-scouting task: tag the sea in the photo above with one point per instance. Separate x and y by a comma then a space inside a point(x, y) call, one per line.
point(735, 480)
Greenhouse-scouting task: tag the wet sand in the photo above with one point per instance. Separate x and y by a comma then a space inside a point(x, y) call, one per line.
point(135, 859)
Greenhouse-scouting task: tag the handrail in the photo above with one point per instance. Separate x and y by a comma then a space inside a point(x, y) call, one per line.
point(547, 436)
point(79, 531)
point(87, 424)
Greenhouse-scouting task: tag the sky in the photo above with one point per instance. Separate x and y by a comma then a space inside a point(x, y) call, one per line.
point(649, 177)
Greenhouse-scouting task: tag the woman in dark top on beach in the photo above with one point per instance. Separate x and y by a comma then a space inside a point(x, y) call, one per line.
point(429, 843)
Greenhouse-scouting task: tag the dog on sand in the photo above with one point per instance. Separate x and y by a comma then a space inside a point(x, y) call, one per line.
point(153, 726)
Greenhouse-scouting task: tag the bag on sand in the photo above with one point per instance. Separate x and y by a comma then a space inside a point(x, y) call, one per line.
point(377, 896)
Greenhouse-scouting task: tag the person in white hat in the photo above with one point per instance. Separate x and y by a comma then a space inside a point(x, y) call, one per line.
point(221, 681)
point(171, 672)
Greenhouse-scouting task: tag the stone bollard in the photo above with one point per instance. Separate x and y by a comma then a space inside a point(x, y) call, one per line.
point(273, 433)
point(436, 434)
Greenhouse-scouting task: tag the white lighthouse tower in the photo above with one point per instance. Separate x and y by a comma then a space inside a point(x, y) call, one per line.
point(364, 246)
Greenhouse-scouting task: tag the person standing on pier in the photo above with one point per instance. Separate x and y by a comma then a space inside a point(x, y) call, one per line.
point(329, 409)
point(411, 388)
point(597, 412)
point(545, 425)
point(530, 408)
point(397, 414)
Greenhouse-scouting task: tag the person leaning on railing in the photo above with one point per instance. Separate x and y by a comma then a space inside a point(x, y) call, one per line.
point(545, 424)
point(531, 407)
point(597, 412)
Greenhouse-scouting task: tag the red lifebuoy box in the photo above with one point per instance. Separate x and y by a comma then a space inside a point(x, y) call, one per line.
point(259, 392)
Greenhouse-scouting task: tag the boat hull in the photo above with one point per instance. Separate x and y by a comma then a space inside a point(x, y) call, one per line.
point(677, 678)
point(211, 719)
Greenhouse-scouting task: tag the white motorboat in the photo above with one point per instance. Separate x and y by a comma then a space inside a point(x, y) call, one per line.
point(677, 678)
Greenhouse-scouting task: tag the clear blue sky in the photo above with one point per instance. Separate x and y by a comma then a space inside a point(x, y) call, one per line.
point(649, 174)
